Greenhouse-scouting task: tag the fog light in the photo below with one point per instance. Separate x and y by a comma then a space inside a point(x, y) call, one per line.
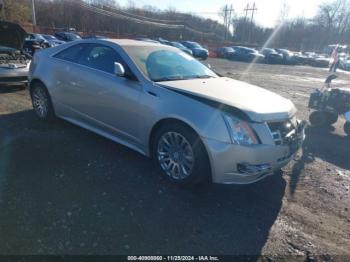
point(249, 169)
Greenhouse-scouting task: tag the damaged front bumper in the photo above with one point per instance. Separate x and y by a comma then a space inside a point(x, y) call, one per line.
point(236, 164)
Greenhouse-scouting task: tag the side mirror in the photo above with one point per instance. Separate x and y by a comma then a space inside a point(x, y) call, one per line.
point(119, 70)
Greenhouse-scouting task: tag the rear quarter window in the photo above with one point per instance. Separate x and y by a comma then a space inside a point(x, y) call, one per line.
point(72, 53)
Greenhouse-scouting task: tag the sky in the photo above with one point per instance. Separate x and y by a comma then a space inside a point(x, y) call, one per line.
point(267, 14)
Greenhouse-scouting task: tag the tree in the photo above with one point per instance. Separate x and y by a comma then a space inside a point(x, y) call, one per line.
point(17, 11)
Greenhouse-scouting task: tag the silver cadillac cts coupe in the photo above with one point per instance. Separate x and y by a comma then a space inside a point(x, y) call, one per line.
point(165, 104)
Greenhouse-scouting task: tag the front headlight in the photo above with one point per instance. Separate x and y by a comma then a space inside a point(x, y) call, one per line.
point(240, 131)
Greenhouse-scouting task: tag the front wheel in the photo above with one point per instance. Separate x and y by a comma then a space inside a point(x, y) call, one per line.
point(41, 102)
point(347, 128)
point(180, 155)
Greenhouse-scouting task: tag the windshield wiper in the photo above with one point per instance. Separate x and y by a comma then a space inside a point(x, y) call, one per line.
point(168, 78)
point(199, 76)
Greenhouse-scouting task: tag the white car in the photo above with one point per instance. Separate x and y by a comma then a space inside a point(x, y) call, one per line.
point(14, 64)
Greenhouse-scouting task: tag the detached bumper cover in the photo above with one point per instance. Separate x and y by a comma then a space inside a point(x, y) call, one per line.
point(235, 164)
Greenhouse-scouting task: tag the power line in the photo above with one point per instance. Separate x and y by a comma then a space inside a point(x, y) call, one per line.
point(141, 19)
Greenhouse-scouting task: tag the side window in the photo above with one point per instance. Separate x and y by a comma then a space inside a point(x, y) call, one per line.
point(101, 57)
point(72, 53)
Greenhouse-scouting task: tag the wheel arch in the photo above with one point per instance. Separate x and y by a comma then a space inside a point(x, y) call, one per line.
point(36, 81)
point(39, 81)
point(171, 120)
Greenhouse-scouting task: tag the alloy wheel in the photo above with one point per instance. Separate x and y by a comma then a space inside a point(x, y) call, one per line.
point(40, 102)
point(175, 155)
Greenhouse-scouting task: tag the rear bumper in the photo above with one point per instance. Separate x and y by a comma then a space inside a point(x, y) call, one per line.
point(235, 164)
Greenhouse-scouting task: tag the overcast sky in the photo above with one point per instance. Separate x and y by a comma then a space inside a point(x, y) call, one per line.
point(267, 14)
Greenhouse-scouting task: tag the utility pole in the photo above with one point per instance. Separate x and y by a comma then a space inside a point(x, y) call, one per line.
point(246, 10)
point(252, 9)
point(227, 19)
point(33, 13)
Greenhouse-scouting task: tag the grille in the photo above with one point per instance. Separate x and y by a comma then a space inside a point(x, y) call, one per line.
point(283, 132)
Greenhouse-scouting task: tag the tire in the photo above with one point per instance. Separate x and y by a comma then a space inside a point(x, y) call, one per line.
point(321, 118)
point(41, 102)
point(347, 128)
point(176, 145)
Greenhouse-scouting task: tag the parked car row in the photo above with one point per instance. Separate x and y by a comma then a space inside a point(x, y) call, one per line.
point(189, 47)
point(17, 48)
point(279, 56)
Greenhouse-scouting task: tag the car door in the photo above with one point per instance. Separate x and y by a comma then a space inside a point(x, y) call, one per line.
point(101, 99)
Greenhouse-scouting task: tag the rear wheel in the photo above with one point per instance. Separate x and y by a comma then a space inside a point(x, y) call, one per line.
point(41, 102)
point(347, 128)
point(321, 118)
point(180, 155)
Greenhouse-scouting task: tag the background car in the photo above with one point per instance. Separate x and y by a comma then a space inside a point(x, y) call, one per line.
point(14, 63)
point(181, 47)
point(31, 46)
point(94, 37)
point(271, 56)
point(53, 41)
point(67, 36)
point(246, 54)
point(344, 63)
point(320, 61)
point(40, 39)
point(197, 50)
point(224, 52)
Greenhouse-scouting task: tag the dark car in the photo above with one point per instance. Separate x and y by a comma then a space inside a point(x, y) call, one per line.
point(67, 36)
point(271, 56)
point(94, 37)
point(53, 41)
point(31, 46)
point(320, 61)
point(197, 50)
point(39, 39)
point(246, 54)
point(181, 47)
point(224, 52)
point(289, 58)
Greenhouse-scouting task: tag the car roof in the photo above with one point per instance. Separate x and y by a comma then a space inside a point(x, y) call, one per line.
point(131, 42)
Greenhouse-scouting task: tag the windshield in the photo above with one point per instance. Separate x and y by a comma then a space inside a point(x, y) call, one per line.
point(227, 49)
point(193, 44)
point(49, 37)
point(163, 64)
point(178, 45)
point(72, 36)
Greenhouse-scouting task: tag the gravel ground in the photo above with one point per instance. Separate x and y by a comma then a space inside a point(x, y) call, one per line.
point(64, 190)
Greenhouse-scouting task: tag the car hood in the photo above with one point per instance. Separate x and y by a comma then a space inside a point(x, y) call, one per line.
point(12, 35)
point(258, 103)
